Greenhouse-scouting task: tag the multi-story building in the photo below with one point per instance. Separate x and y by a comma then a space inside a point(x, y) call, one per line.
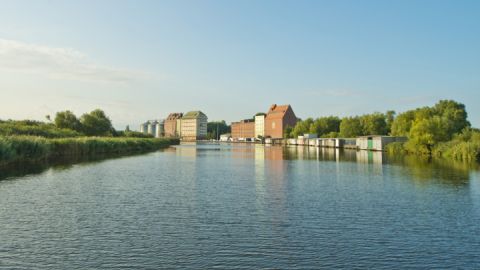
point(245, 129)
point(260, 126)
point(171, 127)
point(193, 126)
point(278, 118)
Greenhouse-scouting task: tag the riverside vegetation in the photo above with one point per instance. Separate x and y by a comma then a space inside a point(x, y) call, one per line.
point(439, 131)
point(67, 135)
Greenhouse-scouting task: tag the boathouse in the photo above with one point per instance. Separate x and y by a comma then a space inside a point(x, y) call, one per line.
point(377, 142)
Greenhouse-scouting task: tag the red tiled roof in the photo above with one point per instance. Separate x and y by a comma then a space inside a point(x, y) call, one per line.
point(277, 111)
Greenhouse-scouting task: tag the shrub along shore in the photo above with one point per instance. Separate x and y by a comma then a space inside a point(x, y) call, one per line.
point(68, 136)
point(30, 148)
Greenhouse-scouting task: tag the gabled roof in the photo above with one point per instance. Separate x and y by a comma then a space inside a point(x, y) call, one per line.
point(277, 111)
point(193, 115)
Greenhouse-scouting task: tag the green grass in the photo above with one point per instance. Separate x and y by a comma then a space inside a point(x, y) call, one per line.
point(32, 148)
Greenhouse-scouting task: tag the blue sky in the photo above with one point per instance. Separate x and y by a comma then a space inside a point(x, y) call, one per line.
point(141, 60)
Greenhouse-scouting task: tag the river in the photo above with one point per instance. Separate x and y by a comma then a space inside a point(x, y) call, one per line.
point(203, 206)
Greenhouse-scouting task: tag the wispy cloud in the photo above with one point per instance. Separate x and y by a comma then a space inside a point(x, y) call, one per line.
point(63, 63)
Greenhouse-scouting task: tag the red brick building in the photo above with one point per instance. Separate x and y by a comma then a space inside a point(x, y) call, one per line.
point(170, 125)
point(243, 129)
point(278, 118)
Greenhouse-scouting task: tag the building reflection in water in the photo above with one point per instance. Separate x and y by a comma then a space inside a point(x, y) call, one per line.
point(271, 168)
point(375, 158)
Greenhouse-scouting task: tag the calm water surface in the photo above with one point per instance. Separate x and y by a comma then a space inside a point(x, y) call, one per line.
point(242, 206)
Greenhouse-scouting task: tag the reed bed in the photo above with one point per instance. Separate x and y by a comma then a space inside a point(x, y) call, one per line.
point(32, 148)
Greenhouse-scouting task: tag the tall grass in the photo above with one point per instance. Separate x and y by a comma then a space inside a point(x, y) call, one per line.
point(30, 148)
point(463, 147)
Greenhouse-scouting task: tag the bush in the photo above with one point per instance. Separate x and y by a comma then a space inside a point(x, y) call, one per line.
point(463, 147)
point(35, 128)
point(395, 148)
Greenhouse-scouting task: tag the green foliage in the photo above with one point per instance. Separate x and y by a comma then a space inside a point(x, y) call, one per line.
point(96, 123)
point(67, 120)
point(325, 125)
point(215, 129)
point(35, 128)
point(395, 148)
point(428, 126)
point(28, 148)
point(301, 128)
point(131, 134)
point(351, 127)
point(389, 118)
point(464, 146)
point(287, 134)
point(374, 124)
point(367, 124)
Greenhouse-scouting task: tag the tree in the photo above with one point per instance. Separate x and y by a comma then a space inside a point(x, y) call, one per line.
point(68, 120)
point(302, 127)
point(96, 123)
point(426, 133)
point(216, 128)
point(453, 114)
point(390, 117)
point(287, 134)
point(325, 125)
point(374, 124)
point(351, 127)
point(402, 124)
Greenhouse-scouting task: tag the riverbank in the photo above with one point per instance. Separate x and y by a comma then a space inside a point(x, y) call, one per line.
point(14, 149)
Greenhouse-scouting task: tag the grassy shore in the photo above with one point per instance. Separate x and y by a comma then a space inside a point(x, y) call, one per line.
point(31, 148)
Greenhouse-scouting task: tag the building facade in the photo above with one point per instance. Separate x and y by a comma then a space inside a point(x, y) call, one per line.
point(245, 129)
point(171, 126)
point(278, 118)
point(260, 126)
point(193, 126)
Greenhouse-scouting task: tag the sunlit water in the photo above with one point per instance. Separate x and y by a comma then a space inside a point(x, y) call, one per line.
point(242, 206)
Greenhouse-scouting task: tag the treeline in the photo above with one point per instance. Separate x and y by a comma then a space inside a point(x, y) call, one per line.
point(67, 125)
point(440, 130)
point(347, 127)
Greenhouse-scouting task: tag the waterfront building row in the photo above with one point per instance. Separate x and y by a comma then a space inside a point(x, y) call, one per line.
point(190, 126)
point(265, 125)
point(373, 142)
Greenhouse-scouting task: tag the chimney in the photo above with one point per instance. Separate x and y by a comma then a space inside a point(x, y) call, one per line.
point(273, 107)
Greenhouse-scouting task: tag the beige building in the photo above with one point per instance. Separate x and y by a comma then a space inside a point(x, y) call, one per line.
point(260, 126)
point(193, 126)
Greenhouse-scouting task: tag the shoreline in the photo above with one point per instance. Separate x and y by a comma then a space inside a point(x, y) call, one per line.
point(25, 149)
